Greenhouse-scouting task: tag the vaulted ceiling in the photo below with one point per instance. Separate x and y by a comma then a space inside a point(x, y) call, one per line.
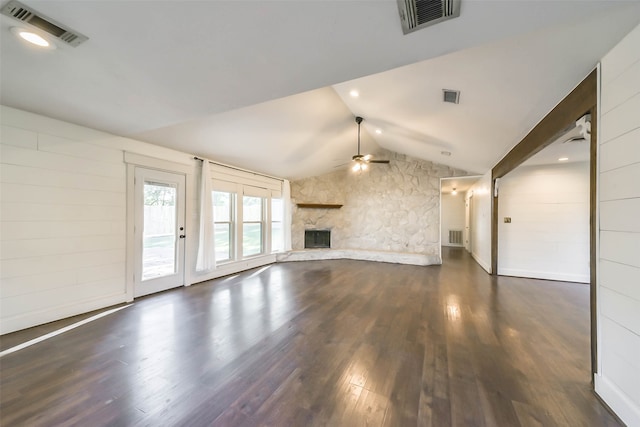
point(265, 85)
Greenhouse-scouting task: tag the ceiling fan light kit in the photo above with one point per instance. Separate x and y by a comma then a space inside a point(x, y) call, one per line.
point(361, 161)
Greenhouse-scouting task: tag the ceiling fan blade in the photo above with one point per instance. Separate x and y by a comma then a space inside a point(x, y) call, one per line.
point(378, 161)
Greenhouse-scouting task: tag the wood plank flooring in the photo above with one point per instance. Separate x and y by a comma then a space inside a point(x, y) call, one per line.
point(323, 343)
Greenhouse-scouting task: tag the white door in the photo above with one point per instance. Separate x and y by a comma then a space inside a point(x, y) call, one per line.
point(159, 231)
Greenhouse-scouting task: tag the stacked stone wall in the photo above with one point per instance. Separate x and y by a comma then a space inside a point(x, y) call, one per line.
point(394, 207)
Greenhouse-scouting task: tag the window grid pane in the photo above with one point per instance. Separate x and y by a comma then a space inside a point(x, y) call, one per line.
point(223, 225)
point(252, 216)
point(159, 236)
point(251, 238)
point(223, 241)
point(251, 209)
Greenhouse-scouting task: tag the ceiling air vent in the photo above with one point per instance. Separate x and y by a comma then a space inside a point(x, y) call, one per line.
point(19, 11)
point(452, 96)
point(417, 14)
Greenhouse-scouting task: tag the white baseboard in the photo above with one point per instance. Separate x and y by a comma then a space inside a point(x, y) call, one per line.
point(35, 318)
point(627, 410)
point(233, 267)
point(485, 265)
point(546, 275)
point(358, 254)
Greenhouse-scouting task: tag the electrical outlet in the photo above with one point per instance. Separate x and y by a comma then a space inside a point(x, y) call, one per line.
point(507, 220)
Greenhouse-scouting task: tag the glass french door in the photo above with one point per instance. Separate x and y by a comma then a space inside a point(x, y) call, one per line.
point(159, 231)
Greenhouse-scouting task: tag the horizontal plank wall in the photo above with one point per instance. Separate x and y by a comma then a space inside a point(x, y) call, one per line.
point(548, 233)
point(63, 217)
point(618, 377)
point(62, 223)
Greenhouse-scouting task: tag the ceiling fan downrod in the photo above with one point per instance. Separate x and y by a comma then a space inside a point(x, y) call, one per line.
point(358, 121)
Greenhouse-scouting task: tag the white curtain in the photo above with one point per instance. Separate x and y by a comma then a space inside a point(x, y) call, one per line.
point(206, 260)
point(287, 211)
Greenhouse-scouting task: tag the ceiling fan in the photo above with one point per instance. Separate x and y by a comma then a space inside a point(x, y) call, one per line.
point(360, 161)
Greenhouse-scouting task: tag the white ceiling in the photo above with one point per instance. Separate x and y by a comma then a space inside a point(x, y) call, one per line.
point(460, 183)
point(573, 145)
point(264, 84)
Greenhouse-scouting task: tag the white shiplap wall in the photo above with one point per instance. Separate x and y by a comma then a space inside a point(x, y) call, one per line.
point(63, 217)
point(62, 223)
point(548, 237)
point(618, 377)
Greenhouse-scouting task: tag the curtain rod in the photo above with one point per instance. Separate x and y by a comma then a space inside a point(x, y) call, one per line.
point(240, 169)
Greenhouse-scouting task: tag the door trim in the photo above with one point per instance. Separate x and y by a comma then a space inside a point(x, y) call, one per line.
point(171, 280)
point(582, 100)
point(133, 161)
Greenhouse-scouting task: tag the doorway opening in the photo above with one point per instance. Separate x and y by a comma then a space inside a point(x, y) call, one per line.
point(455, 225)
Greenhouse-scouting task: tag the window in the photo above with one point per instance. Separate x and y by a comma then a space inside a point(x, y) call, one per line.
point(277, 236)
point(159, 230)
point(223, 224)
point(252, 215)
point(248, 219)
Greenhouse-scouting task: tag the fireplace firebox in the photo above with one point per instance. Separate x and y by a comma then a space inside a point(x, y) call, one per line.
point(317, 239)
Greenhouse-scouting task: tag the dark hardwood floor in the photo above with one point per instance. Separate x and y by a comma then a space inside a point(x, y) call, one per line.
point(337, 343)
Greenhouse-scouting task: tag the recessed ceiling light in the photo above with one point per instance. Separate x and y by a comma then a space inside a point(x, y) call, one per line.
point(354, 93)
point(33, 38)
point(563, 159)
point(379, 131)
point(445, 153)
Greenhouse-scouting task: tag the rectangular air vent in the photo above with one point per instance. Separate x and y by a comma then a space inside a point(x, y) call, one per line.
point(417, 14)
point(455, 237)
point(21, 12)
point(452, 96)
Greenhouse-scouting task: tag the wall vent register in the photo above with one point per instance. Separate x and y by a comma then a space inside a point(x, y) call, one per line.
point(455, 237)
point(451, 96)
point(417, 14)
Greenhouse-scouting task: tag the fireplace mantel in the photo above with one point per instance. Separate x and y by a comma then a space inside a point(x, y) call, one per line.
point(318, 206)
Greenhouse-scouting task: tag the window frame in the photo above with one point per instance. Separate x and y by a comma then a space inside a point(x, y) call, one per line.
point(238, 190)
point(232, 223)
point(263, 231)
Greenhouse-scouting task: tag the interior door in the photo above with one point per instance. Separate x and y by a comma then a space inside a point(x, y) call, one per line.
point(159, 231)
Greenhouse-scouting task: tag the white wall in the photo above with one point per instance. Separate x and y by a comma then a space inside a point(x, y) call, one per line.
point(618, 283)
point(62, 221)
point(548, 237)
point(63, 218)
point(479, 195)
point(451, 216)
